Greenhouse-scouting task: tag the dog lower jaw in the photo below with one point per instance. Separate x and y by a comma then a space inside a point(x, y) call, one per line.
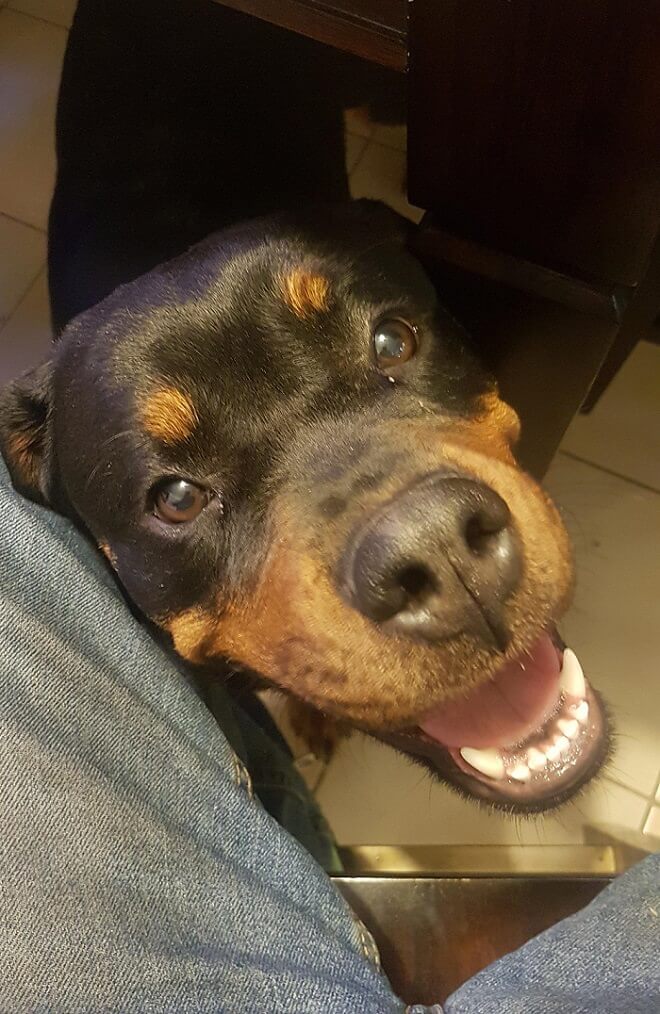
point(544, 769)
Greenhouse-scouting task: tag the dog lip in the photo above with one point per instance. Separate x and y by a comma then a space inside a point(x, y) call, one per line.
point(540, 790)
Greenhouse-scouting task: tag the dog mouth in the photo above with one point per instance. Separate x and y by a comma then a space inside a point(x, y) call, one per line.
point(527, 739)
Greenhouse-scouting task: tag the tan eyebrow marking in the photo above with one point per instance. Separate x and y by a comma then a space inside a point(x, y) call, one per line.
point(169, 415)
point(305, 292)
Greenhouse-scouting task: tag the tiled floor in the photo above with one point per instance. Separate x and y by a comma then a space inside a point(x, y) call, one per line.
point(31, 54)
point(607, 477)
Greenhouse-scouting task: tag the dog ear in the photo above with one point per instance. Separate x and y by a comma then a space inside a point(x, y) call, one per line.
point(24, 437)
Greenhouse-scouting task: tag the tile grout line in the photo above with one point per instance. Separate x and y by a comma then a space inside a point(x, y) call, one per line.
point(622, 785)
point(34, 17)
point(387, 147)
point(610, 471)
point(20, 221)
point(356, 133)
point(390, 147)
point(366, 144)
point(650, 804)
point(382, 144)
point(6, 320)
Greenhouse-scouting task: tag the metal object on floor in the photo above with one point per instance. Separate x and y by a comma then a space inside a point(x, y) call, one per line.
point(441, 913)
point(487, 860)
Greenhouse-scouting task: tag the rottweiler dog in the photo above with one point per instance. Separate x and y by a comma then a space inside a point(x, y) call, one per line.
point(293, 461)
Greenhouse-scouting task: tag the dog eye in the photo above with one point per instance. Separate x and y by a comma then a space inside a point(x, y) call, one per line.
point(394, 343)
point(177, 500)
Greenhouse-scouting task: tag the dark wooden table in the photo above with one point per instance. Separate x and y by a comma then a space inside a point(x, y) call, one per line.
point(373, 29)
point(534, 143)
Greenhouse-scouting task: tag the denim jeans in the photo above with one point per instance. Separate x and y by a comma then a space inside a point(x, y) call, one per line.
point(139, 871)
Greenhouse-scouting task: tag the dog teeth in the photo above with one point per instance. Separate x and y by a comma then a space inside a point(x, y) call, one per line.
point(552, 751)
point(536, 759)
point(571, 678)
point(581, 712)
point(520, 772)
point(569, 727)
point(562, 743)
point(488, 762)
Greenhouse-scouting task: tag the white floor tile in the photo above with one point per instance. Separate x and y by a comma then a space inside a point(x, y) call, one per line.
point(25, 338)
point(22, 254)
point(354, 146)
point(614, 623)
point(623, 431)
point(372, 794)
point(59, 12)
point(31, 53)
point(652, 822)
point(394, 136)
point(381, 174)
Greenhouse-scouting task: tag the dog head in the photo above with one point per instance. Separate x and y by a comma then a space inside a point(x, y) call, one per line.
point(286, 449)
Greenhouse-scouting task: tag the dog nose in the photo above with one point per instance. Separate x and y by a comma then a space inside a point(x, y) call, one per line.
point(439, 559)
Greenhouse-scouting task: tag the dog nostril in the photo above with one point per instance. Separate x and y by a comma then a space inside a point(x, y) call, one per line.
point(478, 539)
point(483, 529)
point(417, 582)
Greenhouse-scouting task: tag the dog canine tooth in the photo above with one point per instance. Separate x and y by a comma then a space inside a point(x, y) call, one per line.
point(562, 743)
point(569, 727)
point(488, 762)
point(571, 678)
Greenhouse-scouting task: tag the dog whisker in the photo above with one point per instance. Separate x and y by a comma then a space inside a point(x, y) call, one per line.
point(94, 472)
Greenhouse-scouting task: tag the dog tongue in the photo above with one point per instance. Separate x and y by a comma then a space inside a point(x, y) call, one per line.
point(507, 709)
